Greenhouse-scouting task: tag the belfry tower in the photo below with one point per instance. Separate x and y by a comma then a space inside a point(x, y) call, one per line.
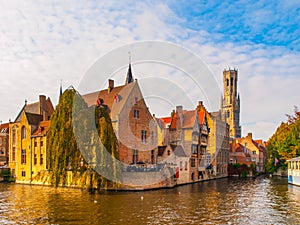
point(230, 103)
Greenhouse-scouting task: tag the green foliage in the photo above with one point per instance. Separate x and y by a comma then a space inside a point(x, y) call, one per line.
point(5, 172)
point(242, 170)
point(63, 152)
point(284, 143)
point(62, 148)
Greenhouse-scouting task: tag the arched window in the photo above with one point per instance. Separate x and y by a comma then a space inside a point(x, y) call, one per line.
point(231, 81)
point(23, 132)
point(13, 136)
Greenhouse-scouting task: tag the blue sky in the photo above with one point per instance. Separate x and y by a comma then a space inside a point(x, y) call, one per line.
point(42, 42)
point(258, 22)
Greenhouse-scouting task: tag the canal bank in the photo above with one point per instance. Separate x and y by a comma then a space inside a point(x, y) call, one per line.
point(164, 178)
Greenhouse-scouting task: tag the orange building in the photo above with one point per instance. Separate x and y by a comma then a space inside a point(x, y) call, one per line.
point(247, 151)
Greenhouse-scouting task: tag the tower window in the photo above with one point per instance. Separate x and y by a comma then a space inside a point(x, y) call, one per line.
point(231, 81)
point(227, 82)
point(228, 114)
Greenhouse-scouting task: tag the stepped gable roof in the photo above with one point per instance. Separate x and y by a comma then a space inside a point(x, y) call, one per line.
point(42, 128)
point(178, 150)
point(113, 99)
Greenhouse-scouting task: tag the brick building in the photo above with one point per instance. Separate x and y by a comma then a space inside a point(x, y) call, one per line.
point(188, 128)
point(247, 151)
point(4, 132)
point(133, 124)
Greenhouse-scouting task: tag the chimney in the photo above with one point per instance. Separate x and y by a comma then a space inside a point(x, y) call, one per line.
point(42, 99)
point(111, 85)
point(249, 135)
point(179, 110)
point(178, 116)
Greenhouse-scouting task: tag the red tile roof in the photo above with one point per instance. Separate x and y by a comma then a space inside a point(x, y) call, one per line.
point(166, 119)
point(42, 128)
point(189, 118)
point(114, 99)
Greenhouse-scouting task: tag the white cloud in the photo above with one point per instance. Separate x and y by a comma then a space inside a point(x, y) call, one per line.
point(44, 42)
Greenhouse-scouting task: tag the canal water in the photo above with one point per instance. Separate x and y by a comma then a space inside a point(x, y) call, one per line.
point(224, 201)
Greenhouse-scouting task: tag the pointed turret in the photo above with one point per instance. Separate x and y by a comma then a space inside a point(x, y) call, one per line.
point(129, 77)
point(60, 89)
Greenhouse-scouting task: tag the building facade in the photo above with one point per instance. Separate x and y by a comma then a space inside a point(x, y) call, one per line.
point(134, 126)
point(4, 138)
point(189, 129)
point(247, 151)
point(175, 157)
point(21, 138)
point(217, 153)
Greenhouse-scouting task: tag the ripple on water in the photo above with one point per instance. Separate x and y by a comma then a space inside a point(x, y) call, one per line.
point(225, 201)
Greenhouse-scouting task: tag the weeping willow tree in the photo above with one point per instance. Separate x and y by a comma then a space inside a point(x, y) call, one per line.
point(74, 146)
point(98, 144)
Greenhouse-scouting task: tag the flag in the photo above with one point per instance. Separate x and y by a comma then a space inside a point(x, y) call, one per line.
point(276, 161)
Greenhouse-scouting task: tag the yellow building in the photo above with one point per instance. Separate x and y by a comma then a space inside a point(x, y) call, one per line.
point(23, 136)
point(39, 148)
point(217, 151)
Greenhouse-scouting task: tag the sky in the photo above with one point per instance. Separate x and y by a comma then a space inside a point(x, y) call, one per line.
point(43, 42)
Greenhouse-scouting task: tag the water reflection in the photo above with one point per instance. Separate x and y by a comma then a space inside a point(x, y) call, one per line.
point(225, 201)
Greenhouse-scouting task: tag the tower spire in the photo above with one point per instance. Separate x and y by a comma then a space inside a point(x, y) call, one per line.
point(60, 88)
point(129, 77)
